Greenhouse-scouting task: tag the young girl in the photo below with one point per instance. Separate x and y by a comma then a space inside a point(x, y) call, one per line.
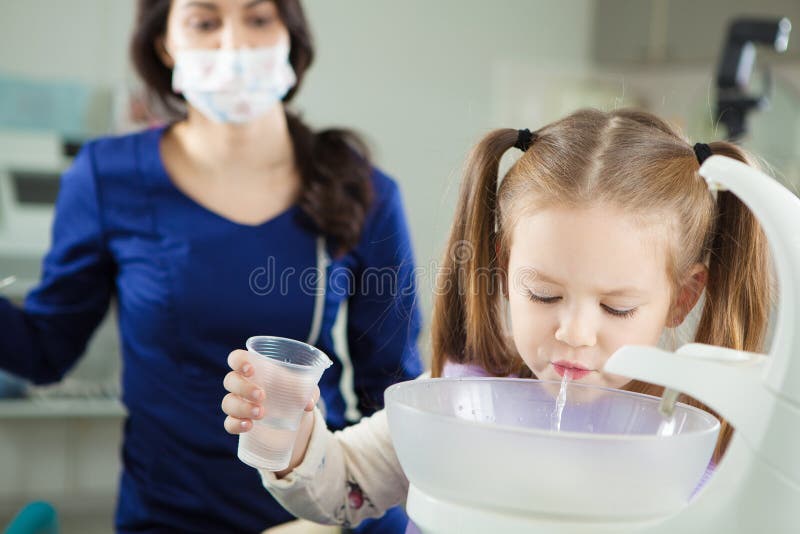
point(602, 234)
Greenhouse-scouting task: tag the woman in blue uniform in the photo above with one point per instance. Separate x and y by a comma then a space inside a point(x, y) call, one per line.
point(233, 221)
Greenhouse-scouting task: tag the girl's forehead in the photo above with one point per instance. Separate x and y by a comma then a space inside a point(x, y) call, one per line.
point(600, 246)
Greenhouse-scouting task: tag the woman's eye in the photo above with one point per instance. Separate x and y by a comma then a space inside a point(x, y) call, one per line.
point(204, 25)
point(260, 22)
point(619, 313)
point(544, 300)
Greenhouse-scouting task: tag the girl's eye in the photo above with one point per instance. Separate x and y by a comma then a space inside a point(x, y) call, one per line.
point(619, 313)
point(611, 311)
point(544, 300)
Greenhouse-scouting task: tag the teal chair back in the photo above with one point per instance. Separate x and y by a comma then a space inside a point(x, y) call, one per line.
point(35, 518)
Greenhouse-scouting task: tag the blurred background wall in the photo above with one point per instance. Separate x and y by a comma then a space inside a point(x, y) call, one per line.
point(422, 79)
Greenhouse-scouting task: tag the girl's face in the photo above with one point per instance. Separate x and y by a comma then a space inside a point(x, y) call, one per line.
point(211, 24)
point(582, 283)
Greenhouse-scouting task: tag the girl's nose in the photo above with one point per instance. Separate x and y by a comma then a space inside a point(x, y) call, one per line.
point(577, 330)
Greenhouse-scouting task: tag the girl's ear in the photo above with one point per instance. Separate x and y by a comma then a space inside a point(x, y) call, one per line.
point(688, 294)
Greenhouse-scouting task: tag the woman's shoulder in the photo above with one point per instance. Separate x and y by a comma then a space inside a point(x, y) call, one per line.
point(122, 153)
point(385, 190)
point(113, 169)
point(385, 231)
point(115, 143)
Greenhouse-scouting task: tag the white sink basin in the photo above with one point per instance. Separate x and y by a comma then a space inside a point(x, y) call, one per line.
point(491, 442)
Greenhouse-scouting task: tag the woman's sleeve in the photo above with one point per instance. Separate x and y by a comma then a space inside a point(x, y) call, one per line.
point(384, 319)
point(345, 477)
point(44, 339)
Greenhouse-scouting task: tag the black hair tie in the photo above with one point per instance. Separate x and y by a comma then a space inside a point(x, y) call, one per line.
point(702, 151)
point(525, 139)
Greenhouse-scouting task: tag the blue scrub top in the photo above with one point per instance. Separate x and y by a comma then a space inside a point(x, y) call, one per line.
point(191, 286)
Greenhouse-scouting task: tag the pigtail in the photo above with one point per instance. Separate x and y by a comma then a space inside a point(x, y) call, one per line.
point(738, 294)
point(468, 320)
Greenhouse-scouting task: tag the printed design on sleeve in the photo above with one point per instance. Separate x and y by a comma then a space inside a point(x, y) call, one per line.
point(356, 500)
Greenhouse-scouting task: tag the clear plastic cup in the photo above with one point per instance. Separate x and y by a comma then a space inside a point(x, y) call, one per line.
point(287, 370)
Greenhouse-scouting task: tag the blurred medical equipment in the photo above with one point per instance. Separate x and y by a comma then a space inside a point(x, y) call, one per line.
point(734, 101)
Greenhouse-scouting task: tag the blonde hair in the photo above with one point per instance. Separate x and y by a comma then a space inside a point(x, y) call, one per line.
point(625, 158)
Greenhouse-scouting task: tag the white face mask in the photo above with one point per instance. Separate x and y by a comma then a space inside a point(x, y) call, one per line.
point(233, 85)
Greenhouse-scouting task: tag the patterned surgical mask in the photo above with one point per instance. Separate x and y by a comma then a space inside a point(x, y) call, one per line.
point(233, 86)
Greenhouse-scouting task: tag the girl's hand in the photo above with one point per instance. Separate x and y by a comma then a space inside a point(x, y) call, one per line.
point(243, 402)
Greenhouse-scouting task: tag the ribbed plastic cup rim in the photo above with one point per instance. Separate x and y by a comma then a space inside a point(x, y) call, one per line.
point(322, 359)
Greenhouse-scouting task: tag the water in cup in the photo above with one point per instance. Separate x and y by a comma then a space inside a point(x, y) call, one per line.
point(287, 370)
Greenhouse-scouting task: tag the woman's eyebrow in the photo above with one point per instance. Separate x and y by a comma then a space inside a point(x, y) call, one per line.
point(196, 3)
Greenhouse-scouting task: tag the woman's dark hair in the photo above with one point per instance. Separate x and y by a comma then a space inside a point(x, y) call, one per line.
point(334, 164)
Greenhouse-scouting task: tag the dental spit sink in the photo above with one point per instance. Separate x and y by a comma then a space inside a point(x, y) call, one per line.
point(500, 444)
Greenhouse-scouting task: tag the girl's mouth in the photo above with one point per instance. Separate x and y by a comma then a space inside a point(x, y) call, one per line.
point(576, 370)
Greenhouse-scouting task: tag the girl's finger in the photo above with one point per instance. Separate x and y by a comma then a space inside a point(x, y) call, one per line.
point(235, 383)
point(239, 408)
point(238, 361)
point(313, 400)
point(236, 426)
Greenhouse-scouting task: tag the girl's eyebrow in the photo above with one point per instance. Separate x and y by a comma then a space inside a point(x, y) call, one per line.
point(544, 278)
point(626, 291)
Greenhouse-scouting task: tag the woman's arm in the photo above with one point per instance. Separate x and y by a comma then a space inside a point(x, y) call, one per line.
point(43, 340)
point(384, 319)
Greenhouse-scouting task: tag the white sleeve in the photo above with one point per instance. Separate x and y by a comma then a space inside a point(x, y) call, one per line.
point(345, 477)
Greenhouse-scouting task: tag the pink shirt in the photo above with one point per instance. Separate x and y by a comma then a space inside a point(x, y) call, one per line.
point(465, 370)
